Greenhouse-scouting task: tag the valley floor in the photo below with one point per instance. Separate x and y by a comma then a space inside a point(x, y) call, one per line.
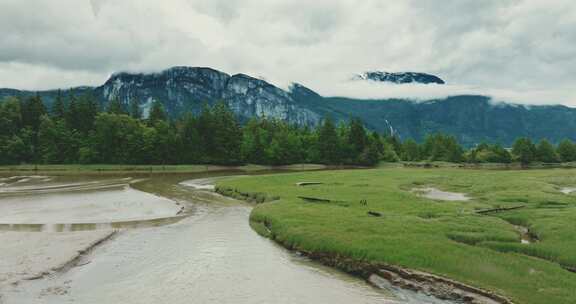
point(513, 235)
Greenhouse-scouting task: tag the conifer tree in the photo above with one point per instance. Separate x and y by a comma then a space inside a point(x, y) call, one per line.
point(328, 143)
point(566, 151)
point(58, 107)
point(116, 106)
point(545, 152)
point(524, 150)
point(157, 113)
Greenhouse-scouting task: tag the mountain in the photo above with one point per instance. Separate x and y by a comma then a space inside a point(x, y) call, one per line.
point(187, 89)
point(399, 78)
point(472, 119)
point(183, 89)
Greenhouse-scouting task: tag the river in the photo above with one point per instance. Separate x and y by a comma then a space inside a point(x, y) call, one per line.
point(209, 256)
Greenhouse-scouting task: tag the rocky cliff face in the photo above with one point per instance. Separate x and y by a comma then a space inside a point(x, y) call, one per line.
point(400, 78)
point(183, 89)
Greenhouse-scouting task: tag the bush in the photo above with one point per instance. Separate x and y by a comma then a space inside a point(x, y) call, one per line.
point(251, 197)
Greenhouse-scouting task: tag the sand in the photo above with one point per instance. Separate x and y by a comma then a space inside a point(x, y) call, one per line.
point(109, 205)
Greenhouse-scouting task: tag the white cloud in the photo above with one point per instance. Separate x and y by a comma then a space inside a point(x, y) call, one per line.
point(520, 50)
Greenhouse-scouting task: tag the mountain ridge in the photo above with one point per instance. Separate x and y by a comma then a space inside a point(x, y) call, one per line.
point(471, 118)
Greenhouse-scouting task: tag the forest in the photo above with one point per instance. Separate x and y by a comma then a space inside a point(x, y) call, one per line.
point(79, 130)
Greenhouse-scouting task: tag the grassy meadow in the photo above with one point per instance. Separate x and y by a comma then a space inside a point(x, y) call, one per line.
point(440, 237)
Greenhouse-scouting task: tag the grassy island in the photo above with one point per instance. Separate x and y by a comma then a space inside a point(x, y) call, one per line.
point(515, 236)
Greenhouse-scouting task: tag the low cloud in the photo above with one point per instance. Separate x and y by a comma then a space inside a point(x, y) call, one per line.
point(423, 92)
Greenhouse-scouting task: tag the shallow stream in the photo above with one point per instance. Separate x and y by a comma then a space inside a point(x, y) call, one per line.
point(210, 255)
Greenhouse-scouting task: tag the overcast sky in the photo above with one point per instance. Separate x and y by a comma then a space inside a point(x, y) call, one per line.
point(515, 50)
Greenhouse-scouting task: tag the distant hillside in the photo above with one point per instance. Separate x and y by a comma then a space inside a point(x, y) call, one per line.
point(471, 119)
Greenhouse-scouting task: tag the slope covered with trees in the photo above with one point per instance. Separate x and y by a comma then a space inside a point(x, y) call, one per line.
point(75, 129)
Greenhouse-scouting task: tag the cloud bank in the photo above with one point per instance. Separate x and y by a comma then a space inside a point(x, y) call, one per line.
point(515, 50)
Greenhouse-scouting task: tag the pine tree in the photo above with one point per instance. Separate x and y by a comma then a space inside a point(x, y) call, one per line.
point(328, 143)
point(524, 150)
point(227, 135)
point(10, 117)
point(32, 112)
point(58, 107)
point(116, 106)
point(157, 113)
point(566, 151)
point(73, 116)
point(357, 137)
point(206, 133)
point(254, 141)
point(411, 151)
point(370, 155)
point(87, 110)
point(545, 152)
point(189, 140)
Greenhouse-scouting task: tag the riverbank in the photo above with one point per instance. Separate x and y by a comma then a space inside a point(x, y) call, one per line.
point(146, 169)
point(196, 258)
point(448, 239)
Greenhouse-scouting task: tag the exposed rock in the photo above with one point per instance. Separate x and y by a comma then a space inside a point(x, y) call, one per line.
point(183, 89)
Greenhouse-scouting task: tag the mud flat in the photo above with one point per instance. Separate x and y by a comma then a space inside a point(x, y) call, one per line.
point(30, 256)
point(48, 223)
point(92, 202)
point(439, 195)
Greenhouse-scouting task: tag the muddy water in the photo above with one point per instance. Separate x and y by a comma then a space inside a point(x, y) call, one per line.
point(436, 194)
point(568, 190)
point(39, 203)
point(211, 256)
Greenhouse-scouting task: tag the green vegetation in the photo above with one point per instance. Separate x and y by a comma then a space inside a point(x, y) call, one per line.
point(440, 237)
point(76, 130)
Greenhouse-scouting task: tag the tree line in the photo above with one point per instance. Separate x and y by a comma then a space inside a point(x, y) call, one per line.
point(77, 129)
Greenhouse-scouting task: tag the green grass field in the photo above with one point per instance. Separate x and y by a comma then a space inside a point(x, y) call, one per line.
point(444, 238)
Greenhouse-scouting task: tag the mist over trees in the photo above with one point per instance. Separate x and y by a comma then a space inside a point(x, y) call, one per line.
point(76, 129)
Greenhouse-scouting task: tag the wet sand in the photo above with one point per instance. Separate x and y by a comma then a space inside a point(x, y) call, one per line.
point(29, 255)
point(46, 200)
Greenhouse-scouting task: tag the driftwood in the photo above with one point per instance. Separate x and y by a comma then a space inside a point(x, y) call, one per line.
point(374, 213)
point(308, 183)
point(485, 211)
point(571, 269)
point(314, 199)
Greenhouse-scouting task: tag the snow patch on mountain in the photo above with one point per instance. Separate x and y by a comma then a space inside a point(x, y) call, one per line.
point(399, 78)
